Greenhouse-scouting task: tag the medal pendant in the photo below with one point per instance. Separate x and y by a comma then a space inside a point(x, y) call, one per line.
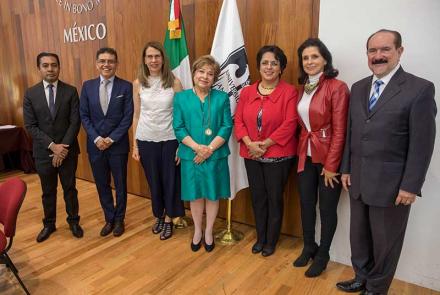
point(208, 131)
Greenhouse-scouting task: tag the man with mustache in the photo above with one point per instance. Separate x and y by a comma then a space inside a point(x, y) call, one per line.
point(389, 144)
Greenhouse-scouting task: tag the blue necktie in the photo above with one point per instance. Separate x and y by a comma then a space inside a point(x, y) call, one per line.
point(51, 101)
point(375, 96)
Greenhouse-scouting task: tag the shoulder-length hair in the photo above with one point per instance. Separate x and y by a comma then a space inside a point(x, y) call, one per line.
point(167, 75)
point(277, 52)
point(206, 60)
point(329, 70)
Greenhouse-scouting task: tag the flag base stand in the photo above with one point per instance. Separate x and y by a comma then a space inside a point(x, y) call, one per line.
point(228, 236)
point(182, 222)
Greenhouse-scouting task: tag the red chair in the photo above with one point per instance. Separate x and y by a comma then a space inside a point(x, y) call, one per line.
point(12, 193)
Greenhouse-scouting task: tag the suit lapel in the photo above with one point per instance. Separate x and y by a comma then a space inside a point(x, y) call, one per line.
point(59, 97)
point(390, 91)
point(366, 99)
point(41, 97)
point(115, 92)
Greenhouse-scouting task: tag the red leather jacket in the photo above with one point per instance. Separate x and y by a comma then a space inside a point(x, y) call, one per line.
point(328, 122)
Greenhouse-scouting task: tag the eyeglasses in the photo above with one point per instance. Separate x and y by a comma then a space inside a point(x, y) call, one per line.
point(273, 63)
point(107, 61)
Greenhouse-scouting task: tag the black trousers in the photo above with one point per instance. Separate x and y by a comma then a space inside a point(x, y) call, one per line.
point(163, 176)
point(312, 188)
point(376, 239)
point(104, 165)
point(49, 183)
point(266, 183)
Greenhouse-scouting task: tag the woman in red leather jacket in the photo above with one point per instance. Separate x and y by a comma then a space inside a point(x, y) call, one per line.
point(322, 109)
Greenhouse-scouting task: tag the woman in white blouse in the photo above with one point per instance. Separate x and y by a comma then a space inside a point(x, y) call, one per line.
point(154, 143)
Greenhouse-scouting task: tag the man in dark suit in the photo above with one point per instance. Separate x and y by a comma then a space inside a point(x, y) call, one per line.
point(389, 144)
point(106, 110)
point(51, 116)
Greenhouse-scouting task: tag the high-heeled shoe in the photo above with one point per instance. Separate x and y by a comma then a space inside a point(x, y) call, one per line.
point(158, 225)
point(209, 248)
point(257, 248)
point(167, 231)
point(196, 247)
point(306, 254)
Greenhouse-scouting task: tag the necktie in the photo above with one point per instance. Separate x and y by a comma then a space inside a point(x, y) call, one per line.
point(103, 98)
point(375, 96)
point(51, 101)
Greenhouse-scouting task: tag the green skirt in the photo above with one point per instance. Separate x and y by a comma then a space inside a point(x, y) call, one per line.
point(209, 180)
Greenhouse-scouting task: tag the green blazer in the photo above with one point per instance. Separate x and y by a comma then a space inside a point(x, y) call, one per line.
point(190, 117)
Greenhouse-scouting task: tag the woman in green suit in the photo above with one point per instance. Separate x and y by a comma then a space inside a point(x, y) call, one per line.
point(202, 123)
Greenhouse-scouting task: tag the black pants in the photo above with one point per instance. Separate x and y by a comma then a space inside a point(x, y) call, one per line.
point(163, 176)
point(49, 183)
point(104, 165)
point(311, 188)
point(376, 239)
point(266, 183)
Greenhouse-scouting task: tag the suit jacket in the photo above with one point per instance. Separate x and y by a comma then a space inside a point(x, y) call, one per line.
point(389, 148)
point(328, 119)
point(115, 123)
point(189, 119)
point(43, 128)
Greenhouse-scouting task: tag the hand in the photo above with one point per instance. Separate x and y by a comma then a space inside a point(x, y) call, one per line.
point(100, 144)
point(177, 158)
point(198, 159)
point(204, 151)
point(346, 182)
point(57, 161)
point(59, 150)
point(255, 150)
point(329, 177)
point(135, 154)
point(405, 198)
point(267, 143)
point(108, 141)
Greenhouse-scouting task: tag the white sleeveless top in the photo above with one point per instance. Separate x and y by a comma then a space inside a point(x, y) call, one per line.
point(156, 114)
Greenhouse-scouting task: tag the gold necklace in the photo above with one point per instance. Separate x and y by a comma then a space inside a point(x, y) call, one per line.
point(267, 88)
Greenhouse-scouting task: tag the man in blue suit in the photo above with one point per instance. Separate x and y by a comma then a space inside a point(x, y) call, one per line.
point(106, 110)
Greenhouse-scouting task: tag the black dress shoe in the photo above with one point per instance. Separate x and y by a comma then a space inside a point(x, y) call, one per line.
point(267, 251)
point(76, 230)
point(196, 247)
point(366, 292)
point(119, 229)
point(45, 233)
point(351, 286)
point(107, 229)
point(257, 248)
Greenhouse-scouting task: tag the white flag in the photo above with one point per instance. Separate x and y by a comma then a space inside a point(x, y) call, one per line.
point(228, 49)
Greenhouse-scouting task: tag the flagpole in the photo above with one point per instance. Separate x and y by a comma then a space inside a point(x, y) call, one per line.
point(228, 236)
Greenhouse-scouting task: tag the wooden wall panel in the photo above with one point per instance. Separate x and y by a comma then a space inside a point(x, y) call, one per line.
point(28, 27)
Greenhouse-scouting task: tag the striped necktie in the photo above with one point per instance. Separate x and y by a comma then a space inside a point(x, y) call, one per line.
point(375, 96)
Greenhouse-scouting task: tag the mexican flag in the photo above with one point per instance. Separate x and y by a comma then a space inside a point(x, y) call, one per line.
point(175, 46)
